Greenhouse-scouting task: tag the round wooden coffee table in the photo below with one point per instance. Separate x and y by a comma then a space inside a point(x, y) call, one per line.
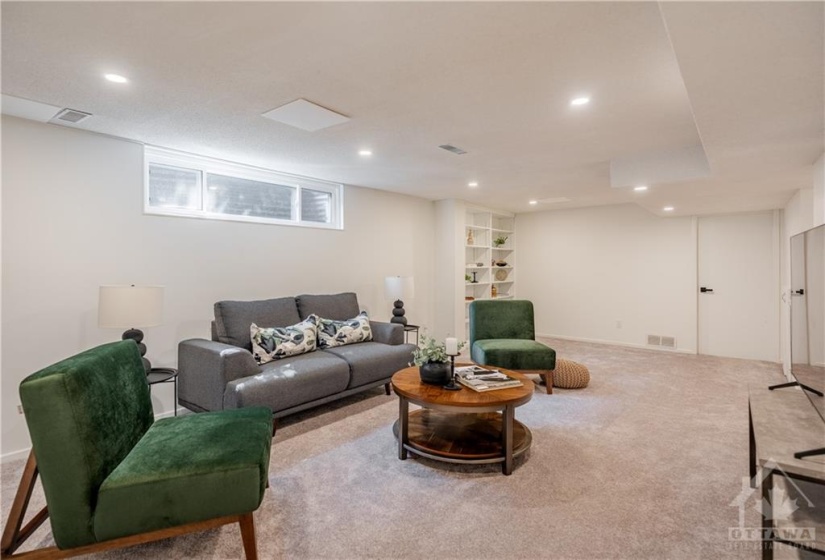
point(461, 426)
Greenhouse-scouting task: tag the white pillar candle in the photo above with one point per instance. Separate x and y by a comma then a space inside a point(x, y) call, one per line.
point(451, 345)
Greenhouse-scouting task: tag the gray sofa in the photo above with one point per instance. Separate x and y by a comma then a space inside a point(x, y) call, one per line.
point(221, 373)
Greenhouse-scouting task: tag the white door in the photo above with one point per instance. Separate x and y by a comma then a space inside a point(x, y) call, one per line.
point(738, 273)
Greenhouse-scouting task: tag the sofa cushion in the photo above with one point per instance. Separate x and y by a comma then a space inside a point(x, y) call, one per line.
point(232, 318)
point(176, 474)
point(289, 382)
point(333, 333)
point(276, 343)
point(513, 353)
point(339, 307)
point(373, 361)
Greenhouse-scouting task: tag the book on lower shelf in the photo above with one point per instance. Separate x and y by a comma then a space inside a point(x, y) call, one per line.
point(482, 379)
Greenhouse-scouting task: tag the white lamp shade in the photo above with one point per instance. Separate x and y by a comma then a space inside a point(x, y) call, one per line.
point(399, 287)
point(130, 306)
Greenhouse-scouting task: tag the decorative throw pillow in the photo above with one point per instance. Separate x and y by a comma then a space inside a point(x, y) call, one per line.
point(338, 333)
point(279, 342)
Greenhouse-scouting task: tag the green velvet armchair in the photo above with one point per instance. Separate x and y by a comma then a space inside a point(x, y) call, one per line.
point(503, 334)
point(114, 477)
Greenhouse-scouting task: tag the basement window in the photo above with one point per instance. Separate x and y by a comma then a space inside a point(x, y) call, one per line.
point(179, 184)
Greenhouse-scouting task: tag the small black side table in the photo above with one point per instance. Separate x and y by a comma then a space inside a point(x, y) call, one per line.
point(411, 329)
point(164, 375)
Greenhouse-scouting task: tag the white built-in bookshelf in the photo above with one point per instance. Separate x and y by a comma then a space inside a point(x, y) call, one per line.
point(487, 260)
point(479, 267)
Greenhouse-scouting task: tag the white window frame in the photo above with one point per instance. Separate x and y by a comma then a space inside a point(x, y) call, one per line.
point(204, 165)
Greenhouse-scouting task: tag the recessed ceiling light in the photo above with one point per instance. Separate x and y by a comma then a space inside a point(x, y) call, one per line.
point(534, 202)
point(640, 188)
point(668, 208)
point(472, 184)
point(580, 101)
point(365, 153)
point(116, 78)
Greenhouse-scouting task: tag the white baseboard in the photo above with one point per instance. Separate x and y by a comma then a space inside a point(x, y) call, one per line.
point(617, 343)
point(23, 453)
point(15, 455)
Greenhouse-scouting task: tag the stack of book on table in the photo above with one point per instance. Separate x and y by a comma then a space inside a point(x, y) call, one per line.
point(482, 379)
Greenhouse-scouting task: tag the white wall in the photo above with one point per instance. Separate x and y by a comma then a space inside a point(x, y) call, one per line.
point(819, 190)
point(72, 220)
point(587, 269)
point(450, 269)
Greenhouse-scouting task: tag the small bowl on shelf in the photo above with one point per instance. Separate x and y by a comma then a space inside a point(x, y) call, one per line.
point(479, 264)
point(501, 263)
point(469, 298)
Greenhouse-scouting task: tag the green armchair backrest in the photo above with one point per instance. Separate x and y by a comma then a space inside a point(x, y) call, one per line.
point(84, 415)
point(497, 319)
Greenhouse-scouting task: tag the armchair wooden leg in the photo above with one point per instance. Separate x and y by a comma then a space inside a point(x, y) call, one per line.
point(15, 534)
point(548, 381)
point(250, 547)
point(387, 388)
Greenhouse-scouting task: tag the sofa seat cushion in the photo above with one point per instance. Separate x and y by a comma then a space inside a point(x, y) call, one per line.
point(373, 361)
point(289, 382)
point(233, 318)
point(177, 475)
point(513, 353)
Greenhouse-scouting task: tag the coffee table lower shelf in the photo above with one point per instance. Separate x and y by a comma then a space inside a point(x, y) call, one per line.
point(465, 438)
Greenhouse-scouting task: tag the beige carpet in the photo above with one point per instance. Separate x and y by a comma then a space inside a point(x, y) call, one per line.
point(641, 464)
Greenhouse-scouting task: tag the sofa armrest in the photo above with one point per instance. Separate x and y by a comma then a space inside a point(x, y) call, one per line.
point(387, 333)
point(204, 369)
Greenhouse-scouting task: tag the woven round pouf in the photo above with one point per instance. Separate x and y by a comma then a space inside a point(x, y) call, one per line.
point(570, 375)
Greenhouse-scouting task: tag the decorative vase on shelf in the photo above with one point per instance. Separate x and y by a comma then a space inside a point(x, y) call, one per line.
point(494, 291)
point(434, 373)
point(470, 240)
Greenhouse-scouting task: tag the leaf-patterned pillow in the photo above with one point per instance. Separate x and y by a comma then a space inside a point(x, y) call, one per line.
point(338, 333)
point(279, 342)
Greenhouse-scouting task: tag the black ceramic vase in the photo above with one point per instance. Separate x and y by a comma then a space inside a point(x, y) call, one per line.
point(435, 373)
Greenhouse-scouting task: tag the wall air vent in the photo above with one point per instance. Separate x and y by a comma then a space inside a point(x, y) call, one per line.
point(654, 340)
point(453, 149)
point(668, 342)
point(71, 116)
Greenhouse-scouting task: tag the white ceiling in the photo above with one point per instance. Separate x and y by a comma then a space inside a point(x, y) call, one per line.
point(742, 80)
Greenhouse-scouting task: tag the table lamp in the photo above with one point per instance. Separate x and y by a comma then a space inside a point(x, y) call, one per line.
point(131, 307)
point(398, 288)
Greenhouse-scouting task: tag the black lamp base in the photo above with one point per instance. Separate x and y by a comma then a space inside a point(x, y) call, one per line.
point(398, 313)
point(137, 336)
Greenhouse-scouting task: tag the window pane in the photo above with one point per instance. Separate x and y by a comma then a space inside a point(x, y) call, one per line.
point(243, 197)
point(316, 206)
point(174, 187)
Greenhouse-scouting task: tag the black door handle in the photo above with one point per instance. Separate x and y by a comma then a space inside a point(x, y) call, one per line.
point(706, 290)
point(799, 292)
